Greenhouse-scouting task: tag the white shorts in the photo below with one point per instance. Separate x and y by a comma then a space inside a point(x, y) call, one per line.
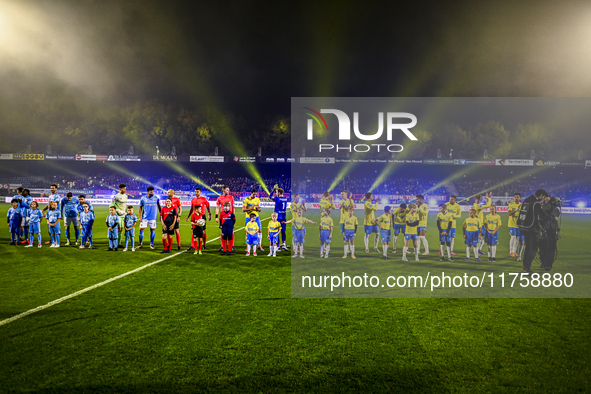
point(68, 221)
point(24, 221)
point(148, 223)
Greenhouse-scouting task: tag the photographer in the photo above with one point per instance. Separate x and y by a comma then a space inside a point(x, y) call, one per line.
point(550, 232)
point(531, 217)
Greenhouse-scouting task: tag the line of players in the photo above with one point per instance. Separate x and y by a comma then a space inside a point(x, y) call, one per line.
point(25, 217)
point(411, 221)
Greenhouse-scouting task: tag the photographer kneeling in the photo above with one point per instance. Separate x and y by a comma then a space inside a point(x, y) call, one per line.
point(550, 232)
point(531, 217)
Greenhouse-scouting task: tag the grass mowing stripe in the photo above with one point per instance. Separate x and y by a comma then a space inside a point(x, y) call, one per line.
point(54, 302)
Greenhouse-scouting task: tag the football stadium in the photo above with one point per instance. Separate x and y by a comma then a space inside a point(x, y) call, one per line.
point(197, 199)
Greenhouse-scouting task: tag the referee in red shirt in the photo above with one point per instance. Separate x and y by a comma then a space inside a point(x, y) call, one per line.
point(176, 203)
point(200, 201)
point(219, 205)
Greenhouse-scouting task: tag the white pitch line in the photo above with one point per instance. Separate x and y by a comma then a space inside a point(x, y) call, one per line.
point(54, 302)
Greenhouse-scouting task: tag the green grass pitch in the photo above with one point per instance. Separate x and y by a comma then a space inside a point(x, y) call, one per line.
point(228, 324)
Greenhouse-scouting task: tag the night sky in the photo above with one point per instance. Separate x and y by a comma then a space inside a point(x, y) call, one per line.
point(251, 57)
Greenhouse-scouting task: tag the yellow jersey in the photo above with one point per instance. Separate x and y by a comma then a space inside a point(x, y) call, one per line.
point(423, 211)
point(385, 221)
point(400, 215)
point(350, 222)
point(369, 209)
point(345, 205)
point(455, 210)
point(412, 217)
point(444, 219)
point(326, 223)
point(295, 207)
point(250, 204)
point(472, 224)
point(491, 222)
point(513, 206)
point(479, 209)
point(274, 227)
point(252, 227)
point(326, 204)
point(299, 222)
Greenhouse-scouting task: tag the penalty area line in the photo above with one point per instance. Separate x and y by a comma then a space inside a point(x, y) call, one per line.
point(59, 300)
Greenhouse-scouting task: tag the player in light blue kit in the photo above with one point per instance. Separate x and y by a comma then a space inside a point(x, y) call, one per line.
point(281, 210)
point(86, 222)
point(130, 221)
point(25, 207)
point(149, 211)
point(69, 209)
point(54, 216)
point(14, 221)
point(53, 196)
point(35, 217)
point(113, 225)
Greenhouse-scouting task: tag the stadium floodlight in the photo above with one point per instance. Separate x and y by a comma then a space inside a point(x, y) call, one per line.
point(439, 155)
point(451, 153)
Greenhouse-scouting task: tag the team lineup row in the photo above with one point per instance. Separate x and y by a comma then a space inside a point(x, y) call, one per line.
point(25, 217)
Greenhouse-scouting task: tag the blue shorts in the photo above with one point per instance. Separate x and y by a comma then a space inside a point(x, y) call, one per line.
point(348, 235)
point(472, 238)
point(325, 236)
point(274, 238)
point(130, 233)
point(227, 233)
point(444, 238)
point(258, 220)
point(385, 234)
point(15, 228)
point(515, 231)
point(398, 228)
point(35, 227)
point(281, 217)
point(492, 239)
point(252, 239)
point(113, 234)
point(452, 233)
point(86, 231)
point(421, 228)
point(408, 237)
point(55, 230)
point(298, 236)
point(369, 229)
point(483, 230)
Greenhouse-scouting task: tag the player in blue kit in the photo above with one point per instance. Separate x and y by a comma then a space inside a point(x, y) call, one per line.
point(53, 196)
point(54, 216)
point(35, 217)
point(69, 209)
point(113, 225)
point(19, 198)
point(25, 207)
point(129, 222)
point(149, 212)
point(281, 210)
point(86, 222)
point(14, 221)
point(81, 202)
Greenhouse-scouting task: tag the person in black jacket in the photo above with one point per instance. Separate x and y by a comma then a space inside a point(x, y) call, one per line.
point(533, 234)
point(550, 232)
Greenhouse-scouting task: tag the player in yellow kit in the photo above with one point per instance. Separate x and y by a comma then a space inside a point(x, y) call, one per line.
point(294, 207)
point(517, 238)
point(349, 230)
point(471, 229)
point(326, 202)
point(399, 216)
point(412, 223)
point(346, 203)
point(299, 229)
point(479, 207)
point(252, 238)
point(456, 211)
point(444, 223)
point(274, 229)
point(384, 222)
point(252, 206)
point(492, 222)
point(369, 207)
point(326, 226)
point(423, 212)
